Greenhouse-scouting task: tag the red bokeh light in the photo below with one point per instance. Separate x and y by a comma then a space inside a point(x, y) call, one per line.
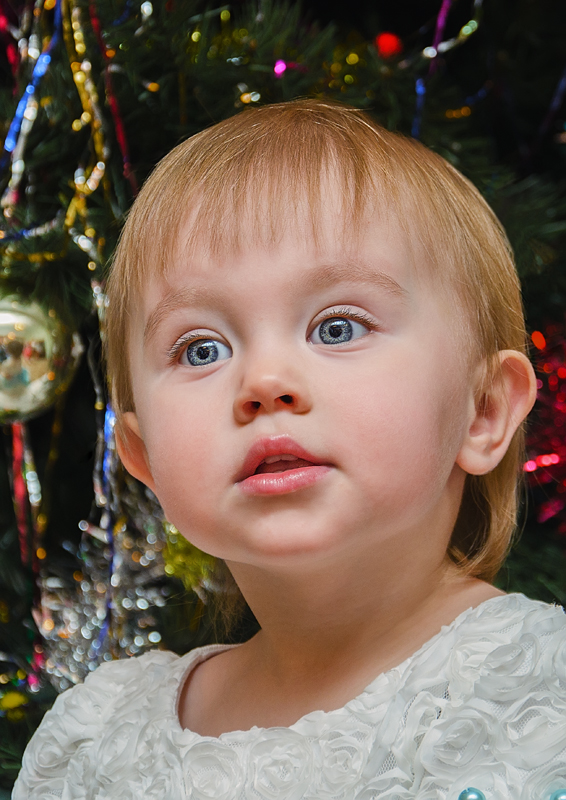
point(388, 45)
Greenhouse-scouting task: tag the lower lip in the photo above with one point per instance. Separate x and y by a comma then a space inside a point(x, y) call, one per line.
point(292, 480)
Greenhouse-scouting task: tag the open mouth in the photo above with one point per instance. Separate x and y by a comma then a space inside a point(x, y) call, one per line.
point(281, 463)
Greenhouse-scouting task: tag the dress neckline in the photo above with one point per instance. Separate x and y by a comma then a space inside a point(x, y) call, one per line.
point(200, 654)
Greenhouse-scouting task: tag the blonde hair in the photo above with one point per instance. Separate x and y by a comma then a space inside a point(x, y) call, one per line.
point(281, 154)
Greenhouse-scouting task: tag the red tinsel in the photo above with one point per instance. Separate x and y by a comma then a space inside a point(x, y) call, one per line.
point(113, 102)
point(20, 494)
point(546, 433)
point(7, 40)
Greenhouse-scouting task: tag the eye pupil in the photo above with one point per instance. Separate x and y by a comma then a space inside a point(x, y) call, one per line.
point(336, 331)
point(202, 353)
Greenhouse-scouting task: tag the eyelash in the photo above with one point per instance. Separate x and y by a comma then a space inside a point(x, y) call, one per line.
point(357, 316)
point(175, 351)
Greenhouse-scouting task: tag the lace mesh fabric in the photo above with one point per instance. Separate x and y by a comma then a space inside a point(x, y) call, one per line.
point(482, 704)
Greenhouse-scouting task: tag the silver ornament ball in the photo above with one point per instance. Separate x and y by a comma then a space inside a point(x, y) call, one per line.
point(38, 356)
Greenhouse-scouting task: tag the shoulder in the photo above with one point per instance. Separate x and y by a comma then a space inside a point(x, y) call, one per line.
point(502, 725)
point(82, 714)
point(507, 647)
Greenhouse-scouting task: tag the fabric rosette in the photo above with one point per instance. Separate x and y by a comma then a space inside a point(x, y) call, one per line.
point(485, 627)
point(555, 662)
point(383, 709)
point(511, 671)
point(456, 742)
point(464, 664)
point(374, 704)
point(421, 672)
point(125, 675)
point(492, 621)
point(81, 772)
point(49, 755)
point(47, 759)
point(544, 782)
point(422, 712)
point(160, 764)
point(130, 687)
point(383, 774)
point(544, 620)
point(213, 772)
point(169, 784)
point(491, 666)
point(342, 755)
point(65, 723)
point(117, 749)
point(533, 732)
point(71, 705)
point(55, 788)
point(281, 766)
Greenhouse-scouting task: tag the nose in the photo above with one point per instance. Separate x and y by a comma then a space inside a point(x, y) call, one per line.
point(268, 387)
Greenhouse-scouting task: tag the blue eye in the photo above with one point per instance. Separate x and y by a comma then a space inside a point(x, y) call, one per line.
point(203, 352)
point(338, 330)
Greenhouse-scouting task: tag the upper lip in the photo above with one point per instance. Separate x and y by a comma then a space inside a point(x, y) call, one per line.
point(274, 446)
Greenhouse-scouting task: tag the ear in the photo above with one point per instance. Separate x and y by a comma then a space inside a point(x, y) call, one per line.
point(497, 414)
point(131, 449)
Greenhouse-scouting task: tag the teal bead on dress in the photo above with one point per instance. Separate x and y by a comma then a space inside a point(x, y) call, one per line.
point(559, 794)
point(476, 794)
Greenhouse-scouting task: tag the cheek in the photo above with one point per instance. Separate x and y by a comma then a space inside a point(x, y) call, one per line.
point(184, 445)
point(402, 422)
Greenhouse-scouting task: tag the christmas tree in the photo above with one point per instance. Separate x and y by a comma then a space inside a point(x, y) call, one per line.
point(94, 93)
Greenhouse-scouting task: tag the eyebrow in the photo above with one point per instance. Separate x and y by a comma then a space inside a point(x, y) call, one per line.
point(175, 299)
point(324, 277)
point(345, 271)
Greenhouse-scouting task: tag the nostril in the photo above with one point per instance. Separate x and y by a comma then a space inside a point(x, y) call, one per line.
point(287, 399)
point(255, 404)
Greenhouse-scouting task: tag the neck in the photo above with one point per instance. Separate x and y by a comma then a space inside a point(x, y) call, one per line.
point(373, 611)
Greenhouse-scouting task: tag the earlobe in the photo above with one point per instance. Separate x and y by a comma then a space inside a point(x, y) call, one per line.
point(131, 449)
point(498, 413)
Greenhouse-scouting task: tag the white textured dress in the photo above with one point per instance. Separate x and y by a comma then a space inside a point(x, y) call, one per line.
point(482, 705)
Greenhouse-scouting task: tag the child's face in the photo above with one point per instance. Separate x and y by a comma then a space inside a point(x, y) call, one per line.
point(380, 399)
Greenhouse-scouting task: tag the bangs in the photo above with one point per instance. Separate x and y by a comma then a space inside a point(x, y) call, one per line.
point(265, 174)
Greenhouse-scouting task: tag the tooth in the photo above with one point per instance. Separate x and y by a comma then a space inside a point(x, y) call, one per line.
point(282, 457)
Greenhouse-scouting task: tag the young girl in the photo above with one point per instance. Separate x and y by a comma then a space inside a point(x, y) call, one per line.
point(318, 358)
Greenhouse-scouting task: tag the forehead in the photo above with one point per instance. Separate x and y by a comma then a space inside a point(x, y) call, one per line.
point(320, 221)
point(316, 251)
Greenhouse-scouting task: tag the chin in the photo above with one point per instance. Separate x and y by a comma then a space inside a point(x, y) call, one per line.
point(273, 533)
point(281, 546)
